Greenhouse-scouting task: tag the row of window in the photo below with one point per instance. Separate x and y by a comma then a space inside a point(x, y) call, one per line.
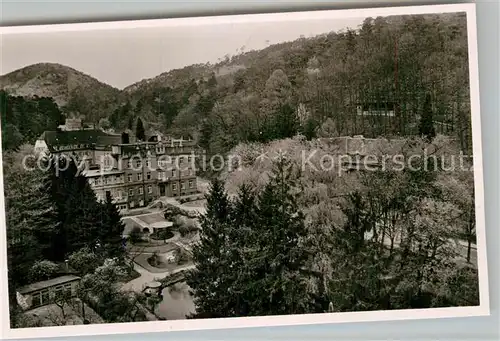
point(138, 176)
point(161, 175)
point(132, 203)
point(183, 185)
point(164, 175)
point(118, 179)
point(106, 180)
point(115, 193)
point(138, 163)
point(149, 189)
point(140, 190)
point(44, 296)
point(161, 163)
point(176, 149)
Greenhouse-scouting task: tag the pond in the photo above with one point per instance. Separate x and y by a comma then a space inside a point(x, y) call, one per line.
point(177, 302)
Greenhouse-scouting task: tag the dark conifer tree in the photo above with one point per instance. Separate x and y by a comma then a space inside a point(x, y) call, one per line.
point(206, 132)
point(280, 286)
point(111, 230)
point(209, 280)
point(138, 107)
point(286, 124)
point(77, 208)
point(242, 238)
point(426, 127)
point(309, 129)
point(140, 133)
point(31, 220)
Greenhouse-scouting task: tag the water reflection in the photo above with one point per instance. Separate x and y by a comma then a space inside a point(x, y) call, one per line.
point(177, 302)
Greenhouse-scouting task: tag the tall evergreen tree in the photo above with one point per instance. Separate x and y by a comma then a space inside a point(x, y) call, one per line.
point(138, 107)
point(31, 220)
point(287, 123)
point(280, 283)
point(77, 208)
point(243, 239)
point(426, 127)
point(209, 280)
point(111, 230)
point(30, 217)
point(251, 260)
point(140, 133)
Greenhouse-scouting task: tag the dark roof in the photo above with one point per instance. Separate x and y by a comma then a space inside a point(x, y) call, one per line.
point(46, 284)
point(88, 136)
point(108, 140)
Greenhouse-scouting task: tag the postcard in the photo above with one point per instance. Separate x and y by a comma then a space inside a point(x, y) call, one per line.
point(240, 171)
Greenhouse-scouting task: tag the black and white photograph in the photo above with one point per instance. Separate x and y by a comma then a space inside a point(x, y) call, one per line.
point(275, 169)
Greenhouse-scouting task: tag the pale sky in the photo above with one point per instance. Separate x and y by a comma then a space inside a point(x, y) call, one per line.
point(121, 57)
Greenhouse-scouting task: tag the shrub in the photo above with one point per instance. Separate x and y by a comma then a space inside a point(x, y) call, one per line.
point(43, 270)
point(187, 227)
point(162, 234)
point(84, 261)
point(181, 256)
point(135, 235)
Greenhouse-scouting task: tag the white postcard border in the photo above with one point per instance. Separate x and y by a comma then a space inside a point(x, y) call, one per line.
point(230, 323)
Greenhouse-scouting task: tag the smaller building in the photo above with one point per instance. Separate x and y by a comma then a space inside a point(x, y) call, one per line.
point(148, 223)
point(387, 109)
point(46, 292)
point(153, 288)
point(72, 124)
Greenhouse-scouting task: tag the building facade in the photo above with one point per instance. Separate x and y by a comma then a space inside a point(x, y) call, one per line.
point(47, 292)
point(134, 173)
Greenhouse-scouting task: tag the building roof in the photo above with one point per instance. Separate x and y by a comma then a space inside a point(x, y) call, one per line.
point(47, 284)
point(72, 137)
point(161, 224)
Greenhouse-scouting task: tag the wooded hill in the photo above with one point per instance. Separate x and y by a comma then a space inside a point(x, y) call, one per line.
point(417, 65)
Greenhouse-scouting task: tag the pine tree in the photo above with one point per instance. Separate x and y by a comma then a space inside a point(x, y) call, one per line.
point(138, 107)
point(31, 218)
point(426, 127)
point(280, 286)
point(209, 280)
point(243, 238)
point(309, 129)
point(110, 233)
point(285, 122)
point(77, 209)
point(140, 134)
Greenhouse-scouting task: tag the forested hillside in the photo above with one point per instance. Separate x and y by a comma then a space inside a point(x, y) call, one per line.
point(314, 85)
point(74, 92)
point(417, 65)
point(24, 120)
